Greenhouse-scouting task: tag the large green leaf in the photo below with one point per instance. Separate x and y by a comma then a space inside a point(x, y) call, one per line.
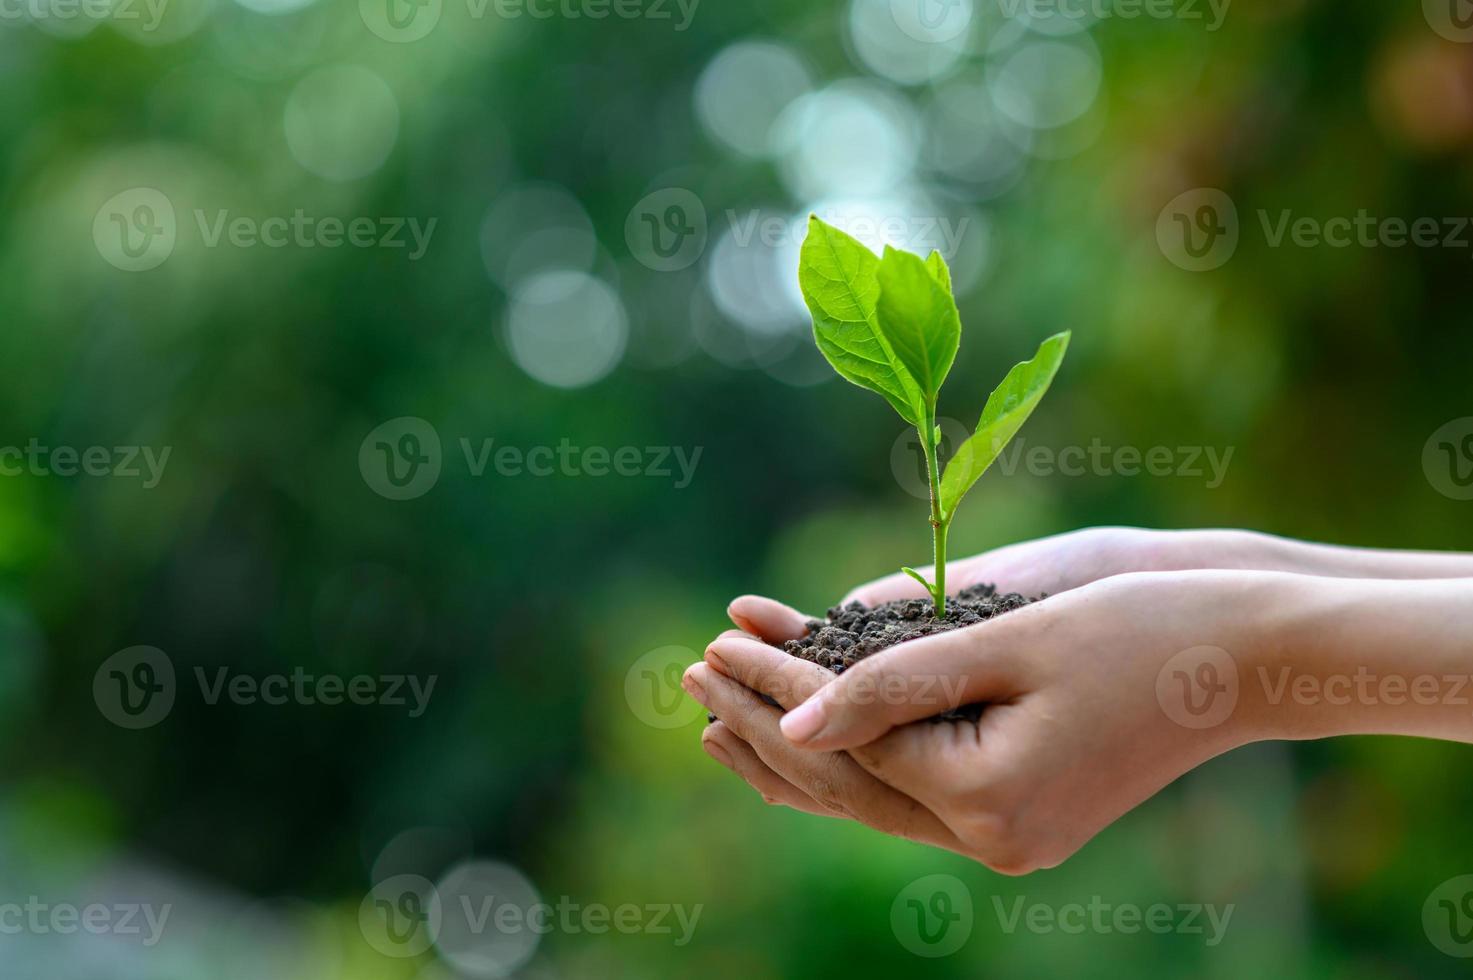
point(918, 317)
point(838, 278)
point(1007, 409)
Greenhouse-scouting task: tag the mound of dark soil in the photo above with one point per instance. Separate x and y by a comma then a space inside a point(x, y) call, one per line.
point(856, 631)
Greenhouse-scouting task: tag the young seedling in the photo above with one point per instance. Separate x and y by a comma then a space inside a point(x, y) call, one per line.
point(890, 324)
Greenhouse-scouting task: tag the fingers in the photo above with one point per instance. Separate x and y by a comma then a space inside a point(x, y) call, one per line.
point(767, 670)
point(831, 779)
point(909, 682)
point(768, 619)
point(904, 759)
point(736, 755)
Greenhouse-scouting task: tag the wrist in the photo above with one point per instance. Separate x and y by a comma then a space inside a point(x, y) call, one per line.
point(1337, 656)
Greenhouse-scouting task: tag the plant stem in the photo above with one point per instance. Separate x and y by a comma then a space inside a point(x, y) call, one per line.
point(939, 521)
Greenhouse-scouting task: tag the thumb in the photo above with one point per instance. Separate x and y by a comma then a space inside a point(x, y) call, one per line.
point(915, 680)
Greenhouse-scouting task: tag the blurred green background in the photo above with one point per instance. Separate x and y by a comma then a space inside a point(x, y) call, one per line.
point(1041, 147)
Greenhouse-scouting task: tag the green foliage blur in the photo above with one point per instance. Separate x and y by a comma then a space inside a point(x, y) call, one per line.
point(264, 549)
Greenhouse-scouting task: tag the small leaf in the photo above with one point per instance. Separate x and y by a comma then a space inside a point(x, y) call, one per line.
point(930, 589)
point(838, 278)
point(919, 319)
point(1007, 409)
point(938, 268)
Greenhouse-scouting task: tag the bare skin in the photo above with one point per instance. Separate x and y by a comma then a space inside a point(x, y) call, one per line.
point(1085, 718)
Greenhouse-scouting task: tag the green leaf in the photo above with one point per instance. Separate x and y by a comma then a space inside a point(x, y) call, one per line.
point(1006, 411)
point(838, 278)
point(919, 319)
point(938, 268)
point(930, 589)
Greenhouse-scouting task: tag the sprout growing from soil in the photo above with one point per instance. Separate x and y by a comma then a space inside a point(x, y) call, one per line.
point(890, 324)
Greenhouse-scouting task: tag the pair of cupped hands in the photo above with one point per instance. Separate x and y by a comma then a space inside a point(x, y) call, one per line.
point(1072, 735)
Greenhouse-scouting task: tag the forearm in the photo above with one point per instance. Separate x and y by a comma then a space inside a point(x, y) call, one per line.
point(1362, 656)
point(1326, 559)
point(1252, 550)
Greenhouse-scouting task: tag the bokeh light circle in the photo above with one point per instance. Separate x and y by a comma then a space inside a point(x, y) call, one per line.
point(898, 54)
point(566, 329)
point(744, 89)
point(533, 227)
point(1046, 84)
point(498, 922)
point(853, 137)
point(341, 122)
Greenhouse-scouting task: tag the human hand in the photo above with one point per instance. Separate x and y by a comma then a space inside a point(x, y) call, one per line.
point(1048, 566)
point(1074, 734)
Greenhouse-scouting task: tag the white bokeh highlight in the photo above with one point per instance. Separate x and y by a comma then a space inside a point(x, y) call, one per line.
point(341, 122)
point(566, 328)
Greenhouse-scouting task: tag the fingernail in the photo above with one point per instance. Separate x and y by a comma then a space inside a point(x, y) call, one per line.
point(803, 723)
point(715, 751)
point(693, 687)
point(714, 659)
